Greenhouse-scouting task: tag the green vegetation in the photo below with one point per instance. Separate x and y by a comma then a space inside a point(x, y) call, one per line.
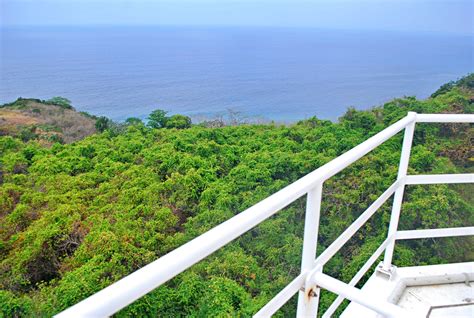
point(158, 119)
point(133, 121)
point(102, 124)
point(466, 82)
point(74, 218)
point(60, 101)
point(178, 121)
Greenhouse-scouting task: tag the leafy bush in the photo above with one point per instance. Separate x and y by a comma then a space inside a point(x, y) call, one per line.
point(28, 133)
point(60, 101)
point(157, 119)
point(178, 121)
point(102, 123)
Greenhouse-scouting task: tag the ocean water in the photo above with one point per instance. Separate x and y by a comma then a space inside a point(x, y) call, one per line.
point(278, 74)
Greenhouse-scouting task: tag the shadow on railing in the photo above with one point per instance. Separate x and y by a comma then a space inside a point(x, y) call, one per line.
point(311, 279)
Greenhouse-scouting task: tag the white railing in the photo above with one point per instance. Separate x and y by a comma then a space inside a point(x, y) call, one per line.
point(311, 279)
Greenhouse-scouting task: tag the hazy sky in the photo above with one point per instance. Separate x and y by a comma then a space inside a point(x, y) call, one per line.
point(449, 16)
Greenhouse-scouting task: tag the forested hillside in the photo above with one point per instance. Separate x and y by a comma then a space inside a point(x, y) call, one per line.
point(76, 217)
point(46, 121)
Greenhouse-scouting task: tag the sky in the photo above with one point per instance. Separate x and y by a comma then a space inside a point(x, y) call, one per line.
point(449, 16)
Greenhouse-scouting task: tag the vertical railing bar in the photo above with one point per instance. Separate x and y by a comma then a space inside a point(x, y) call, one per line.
point(308, 304)
point(398, 198)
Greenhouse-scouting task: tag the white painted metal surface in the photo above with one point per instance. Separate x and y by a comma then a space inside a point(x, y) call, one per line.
point(433, 279)
point(125, 291)
point(358, 276)
point(440, 178)
point(444, 118)
point(432, 298)
point(418, 234)
point(398, 198)
point(378, 305)
point(308, 306)
point(465, 311)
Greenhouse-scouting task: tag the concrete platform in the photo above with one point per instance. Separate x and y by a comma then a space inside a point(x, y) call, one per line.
point(425, 291)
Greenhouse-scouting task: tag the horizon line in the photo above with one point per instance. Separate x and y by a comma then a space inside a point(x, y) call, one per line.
point(241, 26)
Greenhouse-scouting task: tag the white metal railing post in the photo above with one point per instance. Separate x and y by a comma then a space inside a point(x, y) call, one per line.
point(398, 198)
point(308, 299)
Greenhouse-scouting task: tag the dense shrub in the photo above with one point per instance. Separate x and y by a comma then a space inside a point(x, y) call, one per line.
point(178, 121)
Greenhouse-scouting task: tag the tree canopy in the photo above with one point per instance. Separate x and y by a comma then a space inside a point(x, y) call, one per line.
point(157, 118)
point(60, 101)
point(178, 121)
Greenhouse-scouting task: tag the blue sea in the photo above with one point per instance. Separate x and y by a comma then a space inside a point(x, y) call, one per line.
point(275, 73)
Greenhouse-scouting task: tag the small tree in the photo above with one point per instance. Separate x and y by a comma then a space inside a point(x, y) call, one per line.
point(157, 119)
point(178, 121)
point(133, 121)
point(102, 123)
point(60, 101)
point(28, 133)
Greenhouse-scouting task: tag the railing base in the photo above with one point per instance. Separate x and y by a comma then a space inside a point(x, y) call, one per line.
point(386, 273)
